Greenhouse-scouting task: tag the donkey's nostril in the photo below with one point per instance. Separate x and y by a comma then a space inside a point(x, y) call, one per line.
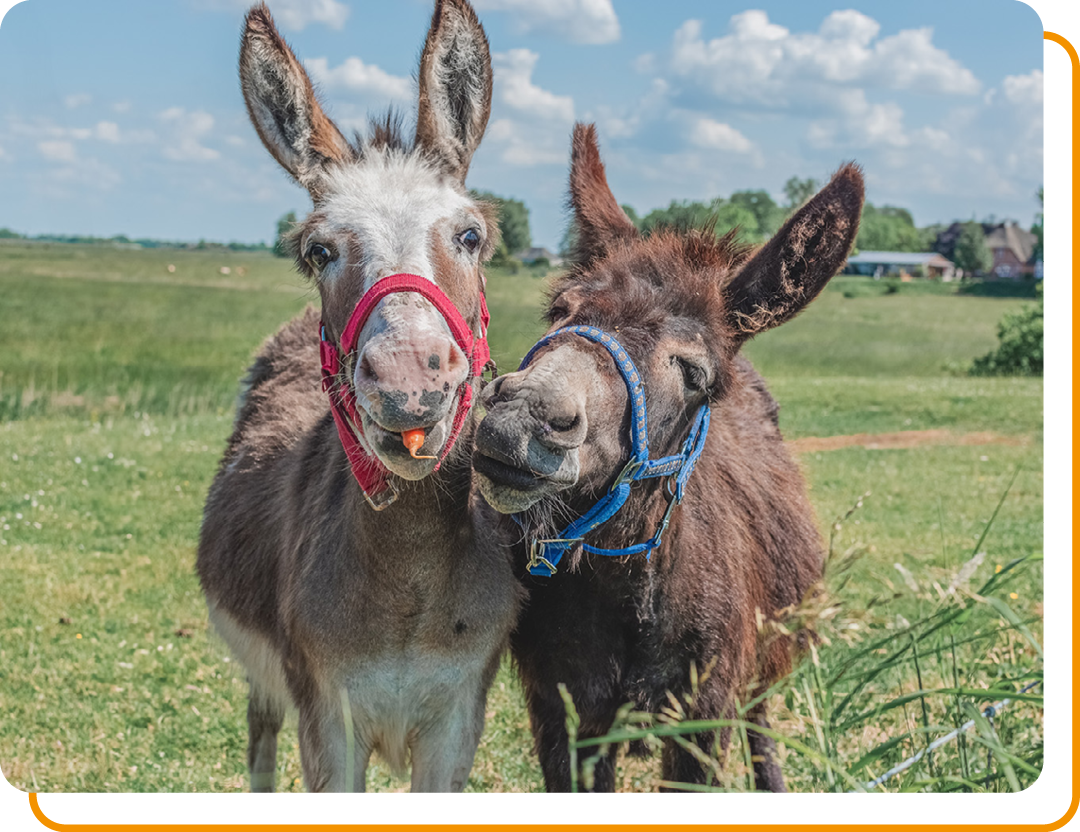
point(561, 424)
point(493, 392)
point(366, 371)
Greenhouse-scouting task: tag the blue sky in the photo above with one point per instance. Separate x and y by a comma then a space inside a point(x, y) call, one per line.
point(125, 116)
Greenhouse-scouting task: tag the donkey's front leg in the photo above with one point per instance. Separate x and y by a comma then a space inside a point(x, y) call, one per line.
point(324, 753)
point(443, 750)
point(265, 715)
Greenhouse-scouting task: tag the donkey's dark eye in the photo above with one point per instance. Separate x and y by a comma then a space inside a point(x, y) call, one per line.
point(470, 240)
point(694, 376)
point(319, 255)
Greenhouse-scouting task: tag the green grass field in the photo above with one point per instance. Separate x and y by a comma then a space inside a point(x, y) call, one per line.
point(117, 381)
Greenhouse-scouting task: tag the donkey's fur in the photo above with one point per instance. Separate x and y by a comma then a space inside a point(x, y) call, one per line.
point(743, 544)
point(393, 620)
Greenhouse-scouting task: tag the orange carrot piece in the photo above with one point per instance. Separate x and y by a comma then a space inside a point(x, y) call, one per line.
point(414, 440)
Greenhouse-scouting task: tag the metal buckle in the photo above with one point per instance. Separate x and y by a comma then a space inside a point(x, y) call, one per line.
point(536, 551)
point(628, 473)
point(674, 501)
point(383, 498)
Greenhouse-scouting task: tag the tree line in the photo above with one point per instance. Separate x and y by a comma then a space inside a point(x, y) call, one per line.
point(756, 216)
point(123, 240)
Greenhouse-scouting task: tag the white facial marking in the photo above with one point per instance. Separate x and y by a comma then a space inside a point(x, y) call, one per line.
point(391, 201)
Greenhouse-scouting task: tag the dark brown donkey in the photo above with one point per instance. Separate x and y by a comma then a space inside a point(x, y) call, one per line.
point(556, 435)
point(392, 621)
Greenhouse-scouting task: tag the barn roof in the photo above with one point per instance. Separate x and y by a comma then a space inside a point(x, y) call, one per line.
point(899, 258)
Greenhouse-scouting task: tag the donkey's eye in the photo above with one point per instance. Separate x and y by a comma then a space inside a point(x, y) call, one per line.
point(470, 240)
point(319, 255)
point(694, 376)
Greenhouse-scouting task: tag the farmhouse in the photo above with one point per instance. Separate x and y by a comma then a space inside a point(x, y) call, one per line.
point(915, 264)
point(532, 255)
point(1012, 246)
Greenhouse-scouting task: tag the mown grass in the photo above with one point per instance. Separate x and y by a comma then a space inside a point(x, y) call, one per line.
point(116, 398)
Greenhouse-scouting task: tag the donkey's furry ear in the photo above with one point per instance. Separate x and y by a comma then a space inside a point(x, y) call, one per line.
point(282, 104)
point(455, 87)
point(599, 222)
point(793, 267)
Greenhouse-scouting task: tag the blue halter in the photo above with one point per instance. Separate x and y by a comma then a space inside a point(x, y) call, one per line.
point(545, 554)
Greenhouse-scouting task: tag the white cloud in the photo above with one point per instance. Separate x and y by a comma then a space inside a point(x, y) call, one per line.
point(530, 125)
point(1040, 105)
point(353, 74)
point(90, 174)
point(77, 100)
point(883, 124)
point(516, 90)
point(107, 131)
point(909, 60)
point(626, 121)
point(122, 107)
point(297, 14)
point(762, 63)
point(290, 14)
point(714, 135)
point(578, 21)
point(183, 134)
point(645, 64)
point(57, 151)
point(523, 147)
point(1018, 124)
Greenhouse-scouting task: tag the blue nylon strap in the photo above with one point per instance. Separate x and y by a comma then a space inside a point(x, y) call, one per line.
point(544, 555)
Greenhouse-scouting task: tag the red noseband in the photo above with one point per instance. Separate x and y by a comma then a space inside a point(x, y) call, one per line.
point(372, 476)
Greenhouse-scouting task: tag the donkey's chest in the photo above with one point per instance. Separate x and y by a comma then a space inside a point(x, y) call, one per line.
point(404, 604)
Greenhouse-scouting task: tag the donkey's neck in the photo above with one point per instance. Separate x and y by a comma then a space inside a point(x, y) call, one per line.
point(429, 518)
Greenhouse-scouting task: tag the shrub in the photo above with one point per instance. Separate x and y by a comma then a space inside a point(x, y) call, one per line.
point(1020, 346)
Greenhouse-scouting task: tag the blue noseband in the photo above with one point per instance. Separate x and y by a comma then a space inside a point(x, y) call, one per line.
point(545, 554)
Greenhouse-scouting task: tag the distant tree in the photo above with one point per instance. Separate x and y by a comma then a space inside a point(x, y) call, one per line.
point(971, 253)
point(513, 221)
point(722, 214)
point(928, 236)
point(632, 214)
point(799, 191)
point(1037, 227)
point(731, 215)
point(284, 226)
point(768, 215)
point(888, 228)
point(8, 234)
point(678, 215)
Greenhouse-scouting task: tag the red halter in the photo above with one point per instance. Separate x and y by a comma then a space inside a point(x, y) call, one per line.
point(372, 476)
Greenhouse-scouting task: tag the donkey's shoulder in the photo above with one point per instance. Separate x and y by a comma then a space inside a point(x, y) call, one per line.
point(281, 394)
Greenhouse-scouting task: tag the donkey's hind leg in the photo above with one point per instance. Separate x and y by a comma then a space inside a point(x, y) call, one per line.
point(767, 774)
point(681, 765)
point(265, 716)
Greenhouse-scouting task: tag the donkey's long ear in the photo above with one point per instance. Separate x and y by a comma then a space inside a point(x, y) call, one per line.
point(793, 267)
point(282, 104)
point(455, 87)
point(599, 222)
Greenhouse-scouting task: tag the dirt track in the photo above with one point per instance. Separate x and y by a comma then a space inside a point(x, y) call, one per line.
point(901, 440)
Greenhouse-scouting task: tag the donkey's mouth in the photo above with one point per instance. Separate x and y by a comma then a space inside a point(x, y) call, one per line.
point(505, 475)
point(391, 450)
